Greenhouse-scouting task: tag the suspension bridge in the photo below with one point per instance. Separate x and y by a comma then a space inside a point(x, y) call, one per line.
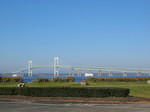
point(56, 66)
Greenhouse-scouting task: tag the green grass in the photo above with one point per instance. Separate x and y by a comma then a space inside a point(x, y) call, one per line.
point(8, 84)
point(53, 84)
point(118, 83)
point(41, 84)
point(137, 89)
point(142, 91)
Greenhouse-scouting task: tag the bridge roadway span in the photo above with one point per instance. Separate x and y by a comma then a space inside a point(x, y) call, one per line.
point(109, 69)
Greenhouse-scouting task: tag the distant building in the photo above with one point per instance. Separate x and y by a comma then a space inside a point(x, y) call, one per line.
point(14, 75)
point(88, 74)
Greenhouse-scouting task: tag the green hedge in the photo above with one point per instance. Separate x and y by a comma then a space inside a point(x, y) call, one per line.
point(66, 92)
point(92, 79)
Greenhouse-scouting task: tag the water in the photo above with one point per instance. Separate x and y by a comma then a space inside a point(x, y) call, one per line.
point(82, 77)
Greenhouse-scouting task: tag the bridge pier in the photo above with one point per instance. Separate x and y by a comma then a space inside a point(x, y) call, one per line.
point(125, 74)
point(72, 73)
point(56, 66)
point(99, 73)
point(30, 68)
point(139, 73)
point(110, 74)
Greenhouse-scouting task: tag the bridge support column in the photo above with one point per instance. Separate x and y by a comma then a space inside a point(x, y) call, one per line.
point(30, 68)
point(125, 74)
point(110, 74)
point(138, 74)
point(56, 66)
point(72, 73)
point(99, 73)
point(79, 73)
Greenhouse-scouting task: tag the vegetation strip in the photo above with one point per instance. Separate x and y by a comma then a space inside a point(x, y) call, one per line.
point(65, 92)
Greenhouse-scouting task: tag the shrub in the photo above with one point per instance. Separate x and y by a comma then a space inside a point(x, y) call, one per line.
point(91, 79)
point(116, 79)
point(42, 80)
point(67, 79)
point(66, 92)
point(11, 79)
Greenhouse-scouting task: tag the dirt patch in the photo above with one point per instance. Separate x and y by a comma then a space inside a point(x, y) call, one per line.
point(133, 100)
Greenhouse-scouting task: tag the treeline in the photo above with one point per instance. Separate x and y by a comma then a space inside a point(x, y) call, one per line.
point(11, 79)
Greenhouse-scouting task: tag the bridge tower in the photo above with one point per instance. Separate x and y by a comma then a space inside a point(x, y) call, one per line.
point(110, 74)
point(30, 68)
point(99, 73)
point(56, 66)
point(125, 74)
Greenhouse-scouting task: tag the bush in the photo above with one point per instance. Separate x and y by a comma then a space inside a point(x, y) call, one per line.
point(67, 79)
point(11, 79)
point(116, 79)
point(66, 92)
point(42, 80)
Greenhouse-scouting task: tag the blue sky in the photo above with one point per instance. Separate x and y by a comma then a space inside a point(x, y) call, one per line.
point(81, 32)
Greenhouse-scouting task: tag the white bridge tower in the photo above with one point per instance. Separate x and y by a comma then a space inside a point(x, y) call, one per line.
point(30, 68)
point(56, 66)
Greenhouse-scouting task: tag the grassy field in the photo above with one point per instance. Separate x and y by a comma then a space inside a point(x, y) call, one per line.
point(42, 84)
point(137, 89)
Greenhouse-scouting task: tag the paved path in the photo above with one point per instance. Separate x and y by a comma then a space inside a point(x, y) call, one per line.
point(11, 106)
